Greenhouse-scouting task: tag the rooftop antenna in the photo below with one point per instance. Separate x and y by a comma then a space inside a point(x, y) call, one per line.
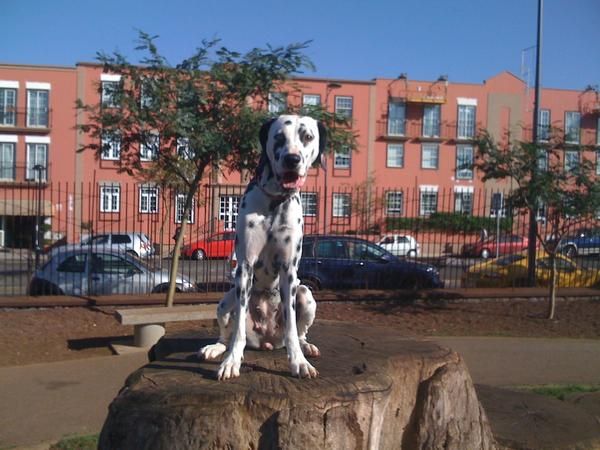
point(526, 57)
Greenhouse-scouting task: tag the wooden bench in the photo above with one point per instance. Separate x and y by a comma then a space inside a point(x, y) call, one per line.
point(149, 323)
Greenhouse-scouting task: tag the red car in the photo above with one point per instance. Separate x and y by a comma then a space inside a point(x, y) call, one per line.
point(219, 245)
point(505, 244)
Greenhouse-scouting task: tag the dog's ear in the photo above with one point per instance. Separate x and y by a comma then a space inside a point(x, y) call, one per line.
point(263, 135)
point(322, 144)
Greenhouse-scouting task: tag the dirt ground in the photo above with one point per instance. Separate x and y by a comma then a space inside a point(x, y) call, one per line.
point(50, 334)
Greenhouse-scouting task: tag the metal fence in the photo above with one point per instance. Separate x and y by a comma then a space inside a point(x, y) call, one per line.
point(465, 233)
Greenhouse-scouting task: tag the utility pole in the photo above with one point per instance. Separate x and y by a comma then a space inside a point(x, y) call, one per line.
point(532, 235)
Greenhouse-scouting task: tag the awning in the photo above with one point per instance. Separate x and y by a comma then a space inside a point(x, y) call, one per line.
point(12, 207)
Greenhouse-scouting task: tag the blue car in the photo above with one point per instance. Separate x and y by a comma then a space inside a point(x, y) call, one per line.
point(342, 262)
point(586, 241)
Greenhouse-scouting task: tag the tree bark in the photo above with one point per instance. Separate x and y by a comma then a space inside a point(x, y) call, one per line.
point(376, 390)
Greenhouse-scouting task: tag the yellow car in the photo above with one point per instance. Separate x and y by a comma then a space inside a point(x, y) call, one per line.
point(511, 270)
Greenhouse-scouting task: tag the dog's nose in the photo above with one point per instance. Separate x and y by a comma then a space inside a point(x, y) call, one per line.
point(291, 161)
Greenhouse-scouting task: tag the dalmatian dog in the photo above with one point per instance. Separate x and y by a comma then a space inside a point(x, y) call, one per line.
point(268, 308)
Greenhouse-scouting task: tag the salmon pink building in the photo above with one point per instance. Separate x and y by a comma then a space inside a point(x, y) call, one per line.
point(415, 147)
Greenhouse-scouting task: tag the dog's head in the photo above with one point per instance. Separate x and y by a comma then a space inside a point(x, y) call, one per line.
point(290, 145)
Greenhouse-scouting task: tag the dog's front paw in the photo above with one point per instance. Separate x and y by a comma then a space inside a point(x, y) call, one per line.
point(230, 368)
point(301, 368)
point(310, 350)
point(212, 351)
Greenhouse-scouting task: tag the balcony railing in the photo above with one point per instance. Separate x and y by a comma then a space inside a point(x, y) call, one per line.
point(32, 119)
point(22, 174)
point(410, 129)
point(586, 136)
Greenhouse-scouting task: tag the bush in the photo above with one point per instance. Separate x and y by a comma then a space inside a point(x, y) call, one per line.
point(450, 222)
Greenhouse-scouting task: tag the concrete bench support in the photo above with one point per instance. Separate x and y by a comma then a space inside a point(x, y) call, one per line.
point(149, 323)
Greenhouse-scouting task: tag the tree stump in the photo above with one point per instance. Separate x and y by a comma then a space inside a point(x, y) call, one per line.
point(376, 390)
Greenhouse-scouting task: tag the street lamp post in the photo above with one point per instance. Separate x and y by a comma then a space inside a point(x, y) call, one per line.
point(38, 169)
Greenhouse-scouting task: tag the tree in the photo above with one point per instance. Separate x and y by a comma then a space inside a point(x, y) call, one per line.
point(546, 178)
point(199, 115)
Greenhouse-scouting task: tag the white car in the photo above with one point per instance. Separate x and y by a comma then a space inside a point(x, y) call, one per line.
point(133, 243)
point(400, 245)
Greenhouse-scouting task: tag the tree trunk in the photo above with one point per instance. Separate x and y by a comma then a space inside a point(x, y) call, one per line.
point(376, 390)
point(552, 297)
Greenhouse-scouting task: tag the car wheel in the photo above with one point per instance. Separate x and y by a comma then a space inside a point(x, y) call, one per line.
point(313, 285)
point(570, 251)
point(198, 255)
point(485, 253)
point(412, 254)
point(42, 287)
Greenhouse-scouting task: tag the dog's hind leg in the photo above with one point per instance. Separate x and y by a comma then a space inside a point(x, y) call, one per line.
point(223, 318)
point(305, 316)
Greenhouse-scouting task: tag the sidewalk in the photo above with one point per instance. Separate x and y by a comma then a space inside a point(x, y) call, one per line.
point(45, 402)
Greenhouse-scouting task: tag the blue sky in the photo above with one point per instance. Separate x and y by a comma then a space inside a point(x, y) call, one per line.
point(469, 40)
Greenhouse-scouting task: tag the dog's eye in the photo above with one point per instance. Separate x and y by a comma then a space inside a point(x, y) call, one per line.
point(308, 138)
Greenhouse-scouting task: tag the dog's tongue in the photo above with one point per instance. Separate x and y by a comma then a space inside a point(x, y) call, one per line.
point(291, 180)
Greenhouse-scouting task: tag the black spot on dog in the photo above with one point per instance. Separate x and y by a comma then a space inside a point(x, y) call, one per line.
point(290, 278)
point(298, 247)
point(286, 205)
point(269, 236)
point(295, 261)
point(299, 220)
point(294, 290)
point(287, 122)
point(286, 267)
point(243, 204)
point(287, 239)
point(243, 300)
point(251, 224)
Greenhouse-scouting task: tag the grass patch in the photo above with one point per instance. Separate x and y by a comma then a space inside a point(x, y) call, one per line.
point(89, 442)
point(560, 391)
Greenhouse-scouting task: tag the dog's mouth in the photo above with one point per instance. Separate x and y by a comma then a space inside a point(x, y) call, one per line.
point(292, 180)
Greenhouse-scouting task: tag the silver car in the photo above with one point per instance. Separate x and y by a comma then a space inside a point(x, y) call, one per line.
point(91, 271)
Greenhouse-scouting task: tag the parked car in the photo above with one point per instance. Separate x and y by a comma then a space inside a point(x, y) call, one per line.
point(511, 270)
point(134, 243)
point(219, 245)
point(400, 245)
point(92, 271)
point(343, 262)
point(504, 244)
point(586, 241)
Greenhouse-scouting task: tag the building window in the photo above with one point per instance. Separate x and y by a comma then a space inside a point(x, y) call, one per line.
point(395, 155)
point(147, 99)
point(110, 93)
point(396, 118)
point(277, 102)
point(543, 131)
point(110, 198)
point(464, 162)
point(463, 202)
point(111, 146)
point(180, 207)
point(149, 147)
point(37, 155)
point(341, 205)
point(8, 106)
point(394, 203)
point(148, 199)
point(542, 160)
point(572, 124)
point(343, 106)
point(571, 160)
point(228, 210)
point(309, 203)
point(466, 122)
point(428, 201)
point(184, 150)
point(342, 158)
point(37, 108)
point(430, 156)
point(431, 120)
point(7, 161)
point(311, 100)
